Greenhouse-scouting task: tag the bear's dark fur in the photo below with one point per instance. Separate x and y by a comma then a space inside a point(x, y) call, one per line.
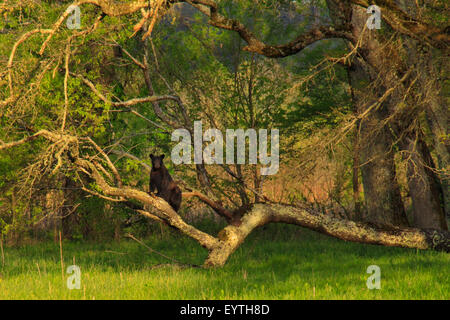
point(161, 180)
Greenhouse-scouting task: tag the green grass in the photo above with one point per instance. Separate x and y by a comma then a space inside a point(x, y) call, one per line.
point(276, 262)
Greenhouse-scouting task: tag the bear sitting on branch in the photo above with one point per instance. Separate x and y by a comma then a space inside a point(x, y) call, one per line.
point(161, 180)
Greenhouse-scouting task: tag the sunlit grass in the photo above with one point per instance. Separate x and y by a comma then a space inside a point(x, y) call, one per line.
point(277, 262)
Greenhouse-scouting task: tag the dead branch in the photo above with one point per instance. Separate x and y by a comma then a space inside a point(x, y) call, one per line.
point(126, 103)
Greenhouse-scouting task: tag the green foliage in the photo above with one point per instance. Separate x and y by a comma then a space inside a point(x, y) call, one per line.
point(205, 66)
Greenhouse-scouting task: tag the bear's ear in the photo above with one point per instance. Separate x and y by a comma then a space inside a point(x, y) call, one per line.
point(151, 156)
point(162, 156)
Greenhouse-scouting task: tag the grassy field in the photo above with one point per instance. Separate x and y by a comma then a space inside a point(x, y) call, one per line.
point(277, 262)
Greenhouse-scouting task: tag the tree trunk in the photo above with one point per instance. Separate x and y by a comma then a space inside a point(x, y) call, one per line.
point(231, 237)
point(356, 215)
point(428, 187)
point(381, 190)
point(424, 187)
point(355, 177)
point(437, 115)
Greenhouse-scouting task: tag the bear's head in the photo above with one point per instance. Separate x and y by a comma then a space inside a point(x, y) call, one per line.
point(157, 161)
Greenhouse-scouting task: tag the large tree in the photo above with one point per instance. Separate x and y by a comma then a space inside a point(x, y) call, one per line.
point(387, 117)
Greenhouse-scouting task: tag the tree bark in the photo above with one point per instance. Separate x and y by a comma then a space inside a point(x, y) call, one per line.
point(424, 187)
point(428, 183)
point(231, 237)
point(433, 68)
point(356, 215)
point(381, 191)
point(355, 178)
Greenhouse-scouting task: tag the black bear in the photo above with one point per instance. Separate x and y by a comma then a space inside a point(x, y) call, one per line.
point(161, 180)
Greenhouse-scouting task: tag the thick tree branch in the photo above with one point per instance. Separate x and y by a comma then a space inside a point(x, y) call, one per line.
point(210, 9)
point(213, 204)
point(54, 137)
point(163, 210)
point(231, 237)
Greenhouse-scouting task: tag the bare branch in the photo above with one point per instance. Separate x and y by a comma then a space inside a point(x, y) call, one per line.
point(108, 7)
point(213, 204)
point(126, 103)
point(405, 24)
point(13, 52)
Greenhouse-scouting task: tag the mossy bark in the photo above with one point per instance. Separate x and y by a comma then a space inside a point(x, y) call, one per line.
point(233, 236)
